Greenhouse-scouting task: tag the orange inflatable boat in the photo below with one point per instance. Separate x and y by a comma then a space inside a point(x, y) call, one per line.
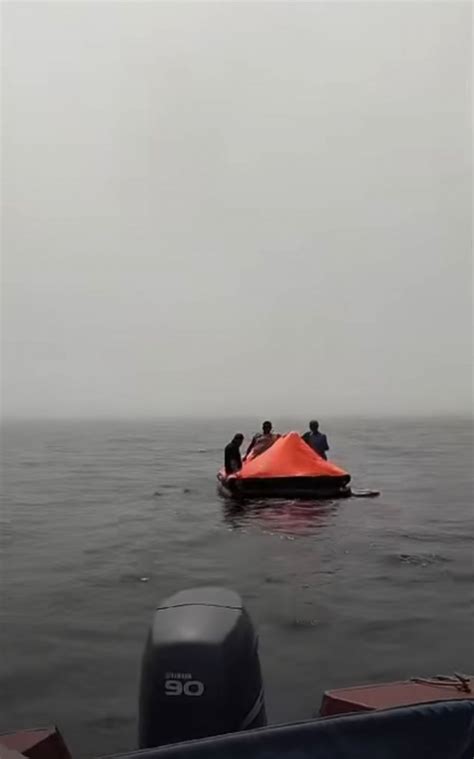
point(289, 469)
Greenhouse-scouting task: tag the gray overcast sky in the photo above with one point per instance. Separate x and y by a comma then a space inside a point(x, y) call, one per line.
point(236, 208)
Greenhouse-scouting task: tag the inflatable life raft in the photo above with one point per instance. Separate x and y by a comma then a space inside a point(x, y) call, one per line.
point(289, 469)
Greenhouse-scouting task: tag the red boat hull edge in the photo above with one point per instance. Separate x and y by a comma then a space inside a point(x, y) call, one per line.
point(389, 695)
point(42, 743)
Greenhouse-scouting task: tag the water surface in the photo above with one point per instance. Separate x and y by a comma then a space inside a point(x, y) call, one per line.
point(101, 520)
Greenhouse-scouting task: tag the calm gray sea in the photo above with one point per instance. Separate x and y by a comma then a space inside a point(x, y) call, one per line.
point(101, 520)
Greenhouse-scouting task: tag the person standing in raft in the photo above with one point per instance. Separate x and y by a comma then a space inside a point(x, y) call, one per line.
point(316, 440)
point(232, 457)
point(262, 441)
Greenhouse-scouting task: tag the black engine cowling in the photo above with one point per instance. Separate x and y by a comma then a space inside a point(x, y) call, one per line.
point(200, 671)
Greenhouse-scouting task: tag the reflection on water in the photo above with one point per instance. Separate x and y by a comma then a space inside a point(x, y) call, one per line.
point(290, 518)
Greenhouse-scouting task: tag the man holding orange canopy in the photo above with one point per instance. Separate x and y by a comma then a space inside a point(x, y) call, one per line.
point(262, 441)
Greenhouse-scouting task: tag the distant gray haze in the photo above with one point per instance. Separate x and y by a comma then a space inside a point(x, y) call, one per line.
point(236, 208)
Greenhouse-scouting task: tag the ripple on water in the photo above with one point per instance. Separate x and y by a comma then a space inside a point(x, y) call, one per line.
point(419, 559)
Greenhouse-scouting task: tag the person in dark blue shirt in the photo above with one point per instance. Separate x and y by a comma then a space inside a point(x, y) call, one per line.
point(316, 440)
point(232, 457)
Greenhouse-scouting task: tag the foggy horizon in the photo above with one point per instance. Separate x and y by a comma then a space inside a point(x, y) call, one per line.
point(280, 420)
point(236, 210)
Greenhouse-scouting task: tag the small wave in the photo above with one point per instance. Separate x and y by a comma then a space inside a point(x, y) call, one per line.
point(420, 559)
point(127, 578)
point(131, 439)
point(111, 721)
point(302, 623)
point(159, 493)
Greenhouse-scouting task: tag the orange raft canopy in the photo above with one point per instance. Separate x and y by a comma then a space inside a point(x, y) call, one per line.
point(289, 469)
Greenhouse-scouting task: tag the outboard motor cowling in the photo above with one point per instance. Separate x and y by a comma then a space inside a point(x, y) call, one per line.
point(200, 671)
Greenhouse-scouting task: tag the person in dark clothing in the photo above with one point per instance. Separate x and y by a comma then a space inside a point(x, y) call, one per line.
point(316, 440)
point(232, 457)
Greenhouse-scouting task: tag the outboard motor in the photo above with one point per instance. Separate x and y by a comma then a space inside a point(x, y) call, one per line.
point(200, 670)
